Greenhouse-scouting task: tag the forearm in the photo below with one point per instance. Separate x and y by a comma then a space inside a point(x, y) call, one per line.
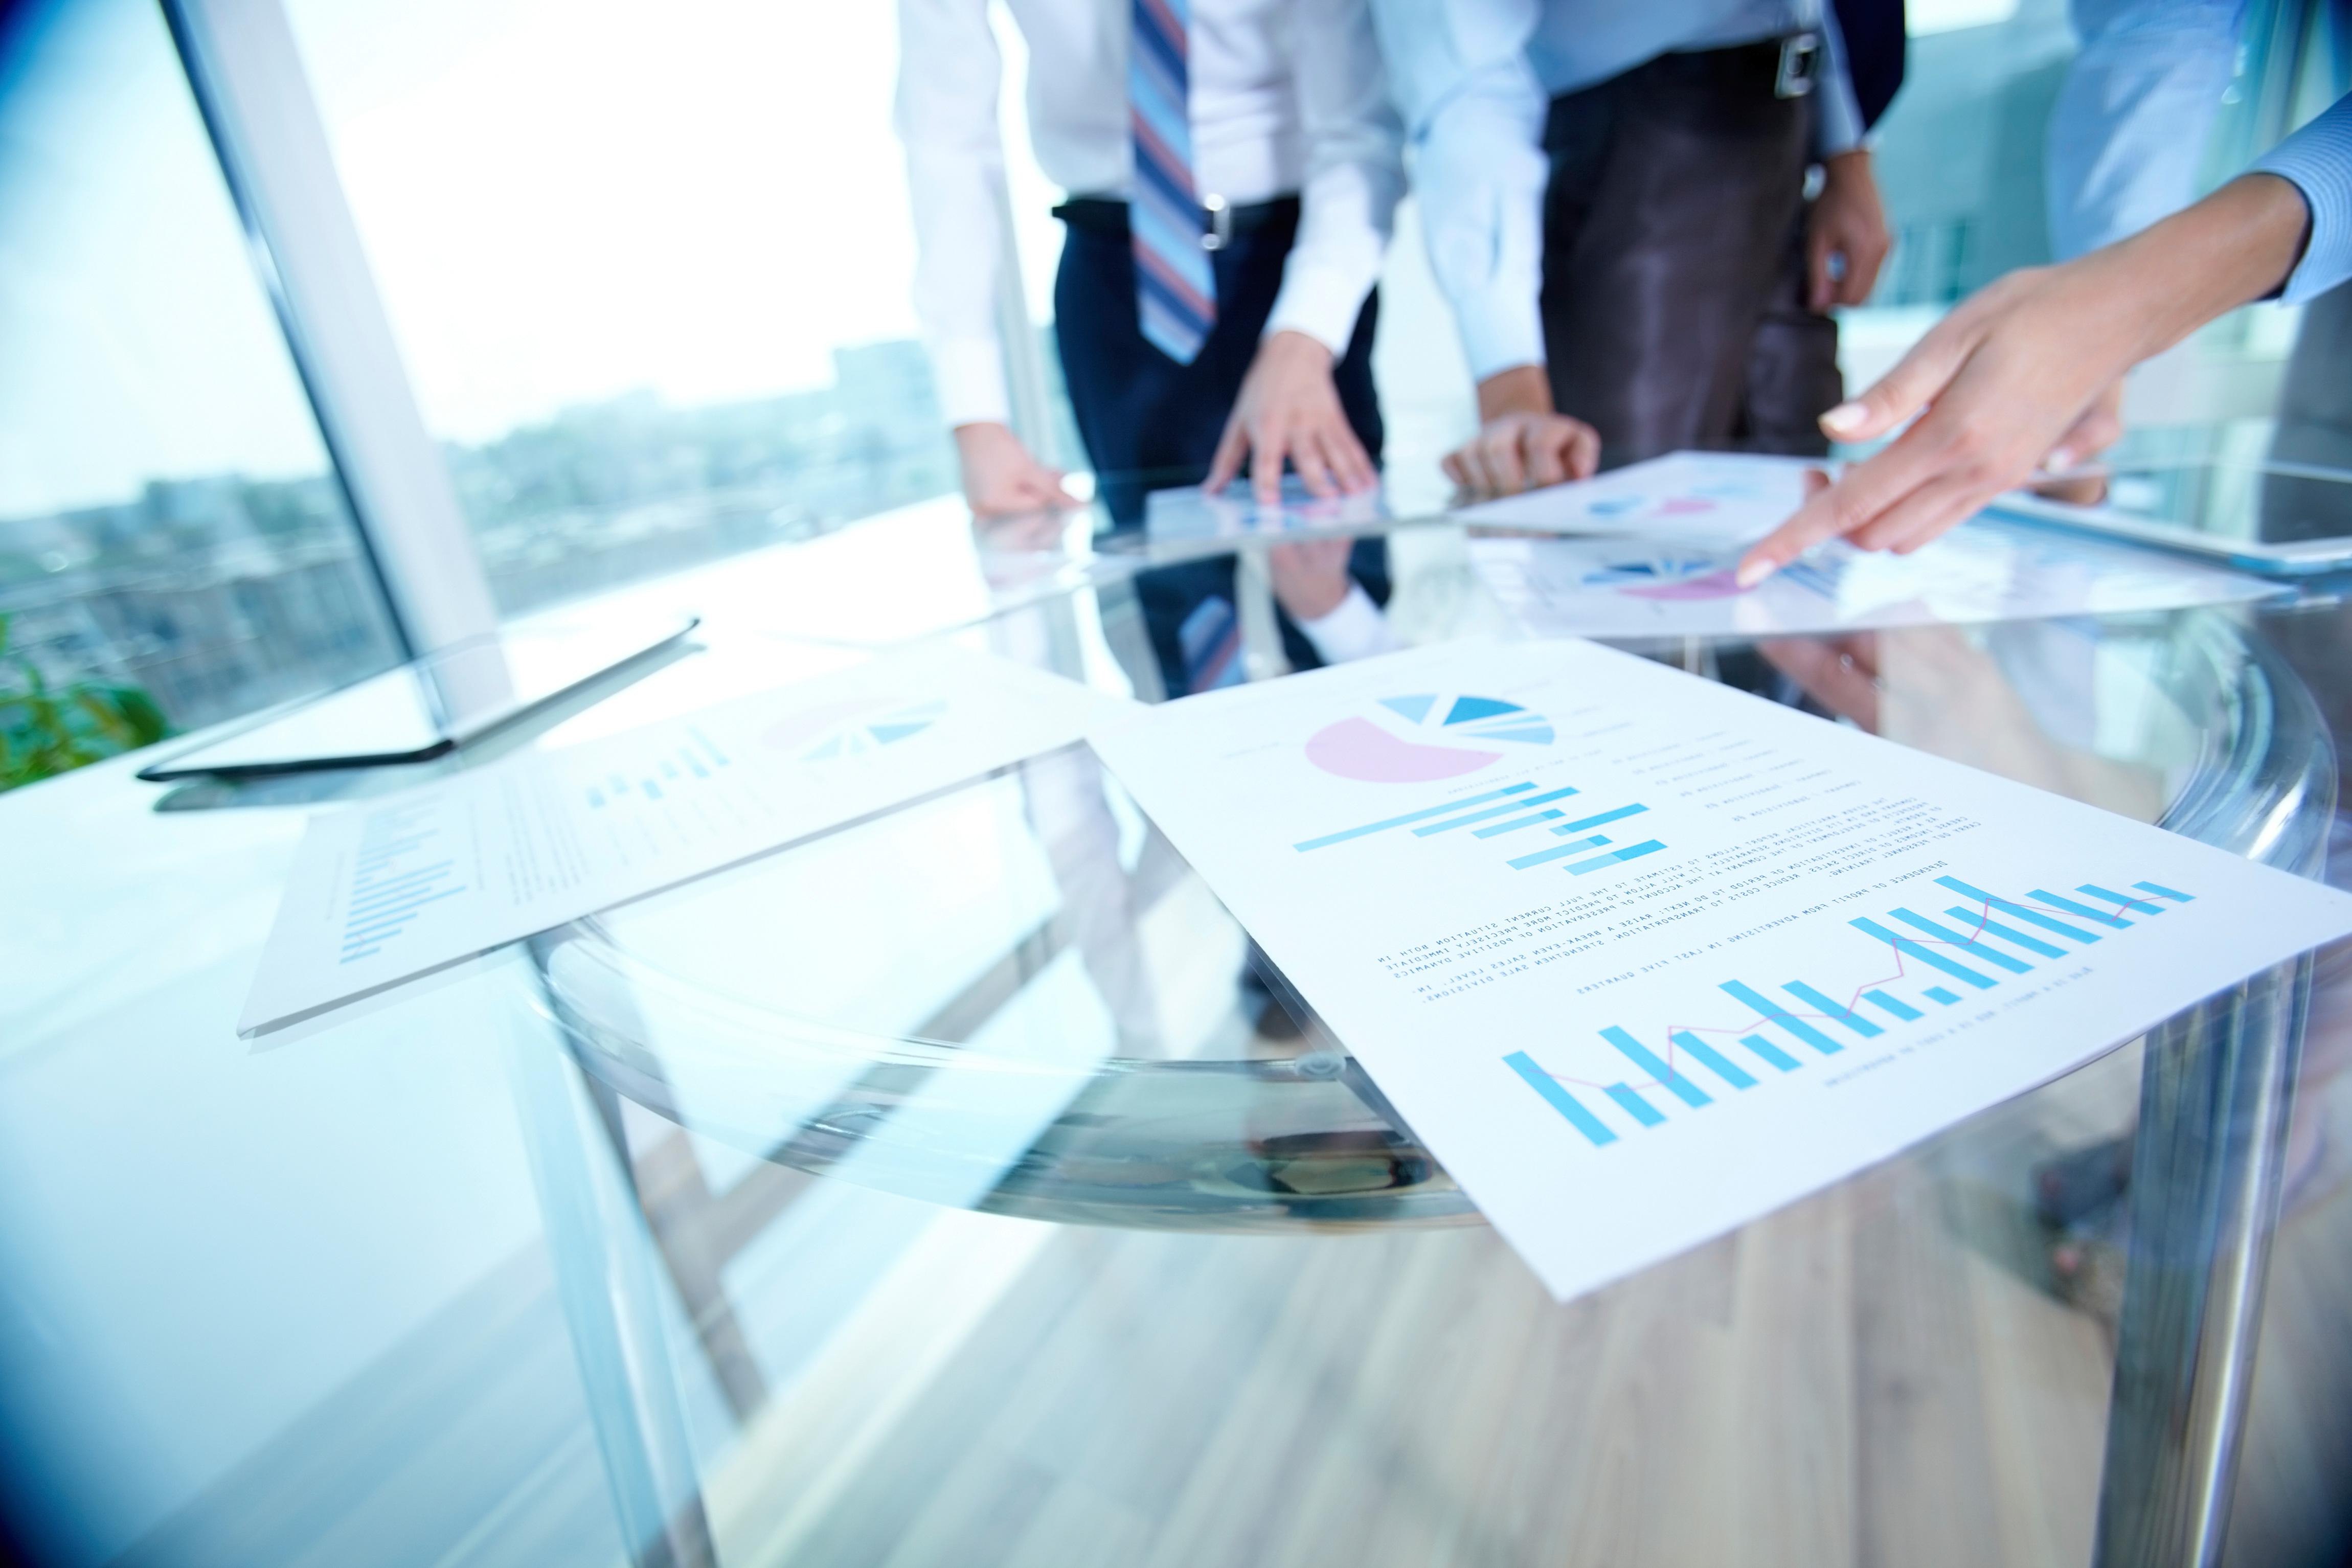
point(1522, 389)
point(2236, 246)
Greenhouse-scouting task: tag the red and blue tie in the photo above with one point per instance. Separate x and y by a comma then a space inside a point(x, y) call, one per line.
point(1175, 290)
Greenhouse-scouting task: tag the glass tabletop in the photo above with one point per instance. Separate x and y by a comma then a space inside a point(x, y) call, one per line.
point(963, 1187)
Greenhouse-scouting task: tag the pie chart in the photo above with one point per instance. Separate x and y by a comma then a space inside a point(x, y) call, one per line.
point(1414, 739)
point(850, 729)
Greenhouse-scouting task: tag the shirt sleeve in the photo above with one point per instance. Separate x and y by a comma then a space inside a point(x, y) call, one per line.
point(1837, 108)
point(1473, 116)
point(1354, 173)
point(2128, 128)
point(949, 75)
point(1354, 629)
point(2318, 161)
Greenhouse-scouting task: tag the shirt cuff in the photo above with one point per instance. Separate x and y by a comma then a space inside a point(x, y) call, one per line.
point(1322, 302)
point(1355, 629)
point(2317, 161)
point(968, 376)
point(1500, 330)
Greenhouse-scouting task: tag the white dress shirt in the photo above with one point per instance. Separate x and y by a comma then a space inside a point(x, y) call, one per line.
point(1287, 97)
point(1475, 77)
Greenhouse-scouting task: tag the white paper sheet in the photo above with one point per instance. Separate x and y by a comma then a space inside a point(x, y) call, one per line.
point(391, 889)
point(1981, 572)
point(1721, 500)
point(1193, 517)
point(1477, 861)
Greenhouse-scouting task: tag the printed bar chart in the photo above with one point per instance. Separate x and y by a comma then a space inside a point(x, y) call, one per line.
point(1509, 810)
point(1602, 862)
point(1677, 1072)
point(387, 890)
point(1342, 836)
point(1558, 852)
point(1503, 811)
point(1514, 825)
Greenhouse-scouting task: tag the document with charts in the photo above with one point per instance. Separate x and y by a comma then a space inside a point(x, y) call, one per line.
point(388, 890)
point(1641, 957)
point(1723, 499)
point(1626, 588)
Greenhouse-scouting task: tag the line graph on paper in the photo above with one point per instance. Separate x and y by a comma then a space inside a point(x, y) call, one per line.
point(1933, 957)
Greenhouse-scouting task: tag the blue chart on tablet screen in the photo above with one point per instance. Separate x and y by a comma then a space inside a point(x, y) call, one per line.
point(1933, 954)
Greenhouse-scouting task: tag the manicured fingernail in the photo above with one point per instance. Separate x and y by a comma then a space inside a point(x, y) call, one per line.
point(1754, 570)
point(2060, 458)
point(1845, 417)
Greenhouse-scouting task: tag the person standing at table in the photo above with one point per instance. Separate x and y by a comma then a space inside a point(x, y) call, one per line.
point(1614, 199)
point(1234, 167)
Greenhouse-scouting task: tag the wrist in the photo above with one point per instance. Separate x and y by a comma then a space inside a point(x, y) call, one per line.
point(2235, 246)
point(1290, 343)
point(1522, 389)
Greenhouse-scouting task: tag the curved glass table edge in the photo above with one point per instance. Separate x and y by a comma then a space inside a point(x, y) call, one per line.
point(2217, 1085)
point(1153, 1143)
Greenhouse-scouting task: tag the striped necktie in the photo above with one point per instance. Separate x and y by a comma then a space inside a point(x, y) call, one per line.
point(1175, 292)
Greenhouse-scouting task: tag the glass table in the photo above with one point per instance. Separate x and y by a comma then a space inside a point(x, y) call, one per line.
point(963, 1187)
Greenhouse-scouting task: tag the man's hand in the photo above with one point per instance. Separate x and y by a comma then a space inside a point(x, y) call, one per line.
point(2017, 372)
point(1288, 407)
point(1001, 478)
point(1522, 444)
point(1845, 238)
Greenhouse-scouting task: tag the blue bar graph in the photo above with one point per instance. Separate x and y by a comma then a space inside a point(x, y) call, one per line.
point(1513, 826)
point(1575, 848)
point(1386, 823)
point(1741, 992)
point(1679, 1084)
point(1910, 949)
point(1602, 820)
point(2017, 911)
point(1491, 811)
point(1835, 1011)
point(1630, 852)
point(1641, 1110)
point(1991, 927)
point(1945, 934)
point(2121, 901)
point(1567, 1104)
point(1676, 1070)
point(2085, 910)
point(1714, 1060)
point(1901, 1009)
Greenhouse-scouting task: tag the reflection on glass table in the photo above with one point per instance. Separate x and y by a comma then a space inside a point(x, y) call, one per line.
point(1015, 998)
point(960, 1188)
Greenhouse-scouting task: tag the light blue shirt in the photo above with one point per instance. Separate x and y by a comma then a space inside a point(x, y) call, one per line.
point(1473, 79)
point(2128, 130)
point(2318, 161)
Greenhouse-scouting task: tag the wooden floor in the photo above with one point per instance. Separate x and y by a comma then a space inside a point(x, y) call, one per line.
point(1881, 1375)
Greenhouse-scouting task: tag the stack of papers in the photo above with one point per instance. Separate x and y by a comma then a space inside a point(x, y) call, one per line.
point(413, 882)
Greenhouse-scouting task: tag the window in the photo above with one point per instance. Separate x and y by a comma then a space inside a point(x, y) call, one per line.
point(650, 269)
point(169, 520)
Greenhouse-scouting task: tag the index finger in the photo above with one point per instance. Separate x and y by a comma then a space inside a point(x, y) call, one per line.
point(1265, 464)
point(1856, 499)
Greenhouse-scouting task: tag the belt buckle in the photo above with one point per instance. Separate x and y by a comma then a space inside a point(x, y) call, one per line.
point(1800, 60)
point(1220, 231)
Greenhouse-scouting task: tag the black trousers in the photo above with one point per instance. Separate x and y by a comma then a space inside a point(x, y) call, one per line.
point(1674, 276)
point(1148, 423)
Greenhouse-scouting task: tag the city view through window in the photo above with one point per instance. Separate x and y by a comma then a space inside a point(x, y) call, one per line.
point(650, 272)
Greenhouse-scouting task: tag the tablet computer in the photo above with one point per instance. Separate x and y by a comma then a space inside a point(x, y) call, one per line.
point(427, 708)
point(2278, 518)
